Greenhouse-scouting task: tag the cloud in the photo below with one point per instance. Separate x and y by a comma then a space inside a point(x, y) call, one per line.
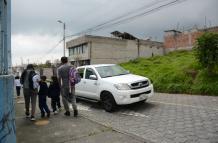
point(35, 48)
point(35, 26)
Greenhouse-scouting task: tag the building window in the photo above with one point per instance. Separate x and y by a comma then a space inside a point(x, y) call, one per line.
point(80, 49)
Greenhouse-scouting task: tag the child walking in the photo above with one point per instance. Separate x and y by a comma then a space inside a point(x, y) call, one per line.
point(18, 85)
point(43, 93)
point(54, 94)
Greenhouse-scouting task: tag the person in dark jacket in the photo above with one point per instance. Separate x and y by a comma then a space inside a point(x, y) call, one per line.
point(43, 93)
point(54, 94)
point(30, 94)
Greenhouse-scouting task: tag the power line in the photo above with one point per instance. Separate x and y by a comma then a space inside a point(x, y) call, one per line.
point(51, 49)
point(123, 19)
point(124, 15)
point(141, 14)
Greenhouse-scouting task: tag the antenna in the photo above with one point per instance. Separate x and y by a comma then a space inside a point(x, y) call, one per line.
point(177, 26)
point(210, 23)
point(205, 22)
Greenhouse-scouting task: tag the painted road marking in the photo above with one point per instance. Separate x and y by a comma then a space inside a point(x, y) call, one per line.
point(185, 105)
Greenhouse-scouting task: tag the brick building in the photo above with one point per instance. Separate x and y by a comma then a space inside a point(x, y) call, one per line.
point(176, 40)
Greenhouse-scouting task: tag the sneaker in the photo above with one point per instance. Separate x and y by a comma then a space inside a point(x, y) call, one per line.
point(42, 115)
point(27, 115)
point(59, 108)
point(48, 114)
point(67, 113)
point(75, 113)
point(32, 118)
point(55, 112)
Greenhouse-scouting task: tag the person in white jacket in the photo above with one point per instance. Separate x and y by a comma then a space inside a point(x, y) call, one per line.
point(17, 85)
point(36, 79)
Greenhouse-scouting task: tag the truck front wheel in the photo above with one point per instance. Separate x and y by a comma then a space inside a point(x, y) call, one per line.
point(108, 102)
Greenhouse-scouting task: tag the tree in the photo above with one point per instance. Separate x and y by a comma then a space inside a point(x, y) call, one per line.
point(207, 51)
point(48, 63)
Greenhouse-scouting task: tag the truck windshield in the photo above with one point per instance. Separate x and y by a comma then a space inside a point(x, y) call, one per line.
point(110, 71)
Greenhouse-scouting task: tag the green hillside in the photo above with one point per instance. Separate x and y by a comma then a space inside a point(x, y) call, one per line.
point(177, 72)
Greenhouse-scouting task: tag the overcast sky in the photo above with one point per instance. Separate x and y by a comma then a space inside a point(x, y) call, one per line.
point(35, 30)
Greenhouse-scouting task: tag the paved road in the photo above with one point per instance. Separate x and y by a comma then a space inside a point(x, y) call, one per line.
point(61, 129)
point(165, 118)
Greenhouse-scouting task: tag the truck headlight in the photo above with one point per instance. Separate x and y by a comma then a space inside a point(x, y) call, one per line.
point(149, 81)
point(122, 86)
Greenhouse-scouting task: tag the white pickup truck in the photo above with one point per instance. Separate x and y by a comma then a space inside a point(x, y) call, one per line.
point(112, 85)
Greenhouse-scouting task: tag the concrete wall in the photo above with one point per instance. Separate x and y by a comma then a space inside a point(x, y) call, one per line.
point(7, 116)
point(105, 50)
point(149, 49)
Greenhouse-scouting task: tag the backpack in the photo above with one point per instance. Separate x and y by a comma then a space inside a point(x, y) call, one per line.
point(30, 78)
point(74, 76)
point(22, 77)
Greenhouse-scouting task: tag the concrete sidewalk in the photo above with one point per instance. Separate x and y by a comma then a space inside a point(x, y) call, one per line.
point(62, 129)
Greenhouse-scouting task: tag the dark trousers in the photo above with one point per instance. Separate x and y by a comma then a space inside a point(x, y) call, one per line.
point(30, 96)
point(18, 90)
point(65, 98)
point(43, 105)
point(55, 102)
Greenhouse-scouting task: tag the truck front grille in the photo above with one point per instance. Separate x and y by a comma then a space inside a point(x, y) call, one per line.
point(140, 84)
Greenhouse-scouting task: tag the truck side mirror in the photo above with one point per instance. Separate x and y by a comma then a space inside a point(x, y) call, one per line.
point(93, 77)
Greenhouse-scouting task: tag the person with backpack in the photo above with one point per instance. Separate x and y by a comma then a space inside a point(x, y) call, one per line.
point(63, 79)
point(54, 94)
point(43, 93)
point(30, 94)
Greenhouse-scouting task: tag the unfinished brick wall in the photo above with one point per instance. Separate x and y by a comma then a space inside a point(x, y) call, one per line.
point(181, 39)
point(177, 40)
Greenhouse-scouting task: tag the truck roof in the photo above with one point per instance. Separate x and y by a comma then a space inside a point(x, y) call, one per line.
point(96, 65)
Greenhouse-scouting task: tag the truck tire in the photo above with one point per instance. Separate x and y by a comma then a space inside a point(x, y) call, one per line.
point(108, 102)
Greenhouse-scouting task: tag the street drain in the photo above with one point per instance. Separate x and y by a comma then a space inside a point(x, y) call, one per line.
point(42, 122)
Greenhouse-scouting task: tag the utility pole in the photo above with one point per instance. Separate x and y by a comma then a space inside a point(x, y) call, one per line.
point(21, 59)
point(64, 29)
point(205, 22)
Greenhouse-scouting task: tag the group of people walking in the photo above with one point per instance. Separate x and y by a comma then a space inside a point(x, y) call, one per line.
point(35, 86)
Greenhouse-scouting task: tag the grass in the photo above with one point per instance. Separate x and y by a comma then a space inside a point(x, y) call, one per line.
point(176, 72)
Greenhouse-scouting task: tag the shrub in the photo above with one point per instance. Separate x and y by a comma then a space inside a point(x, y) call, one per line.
point(207, 51)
